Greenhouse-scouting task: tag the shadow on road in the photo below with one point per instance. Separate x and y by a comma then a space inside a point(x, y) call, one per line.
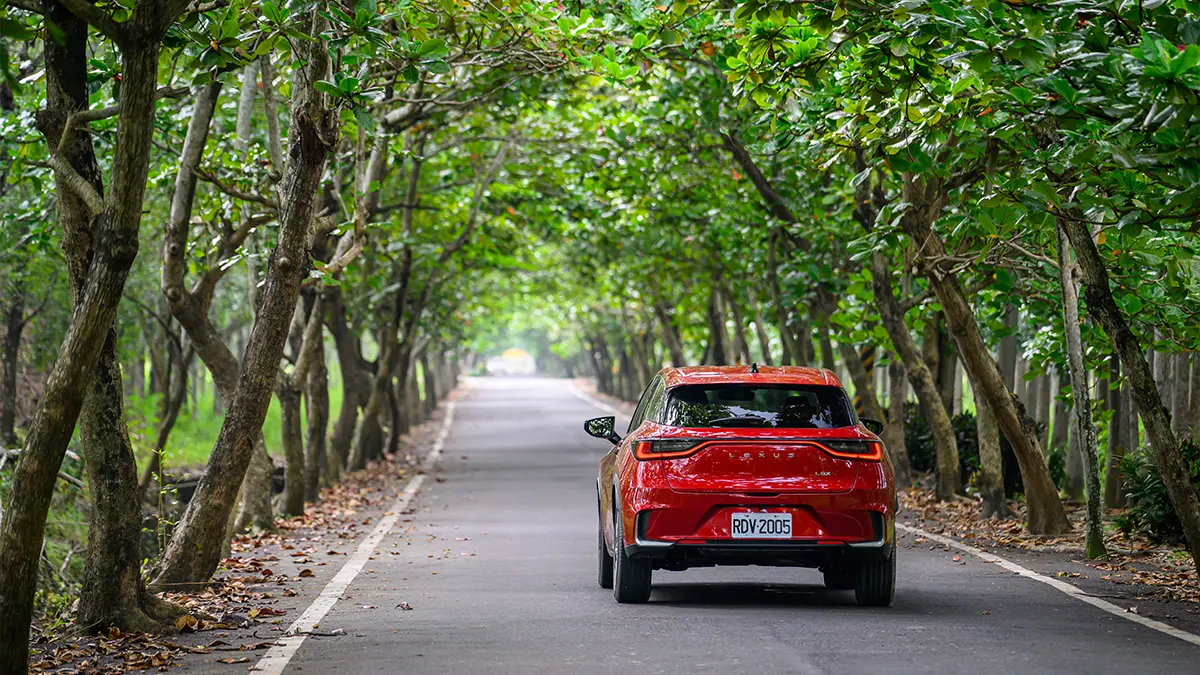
point(750, 594)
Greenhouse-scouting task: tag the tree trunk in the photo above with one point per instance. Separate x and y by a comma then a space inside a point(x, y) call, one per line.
point(431, 388)
point(1062, 424)
point(175, 399)
point(1041, 409)
point(14, 319)
point(111, 234)
point(356, 383)
point(718, 338)
point(1008, 350)
point(316, 395)
point(1086, 430)
point(867, 202)
point(1179, 395)
point(256, 491)
point(112, 590)
point(741, 347)
point(1194, 405)
point(670, 334)
point(194, 551)
point(791, 351)
point(892, 316)
point(1114, 485)
point(991, 467)
point(1164, 448)
point(1045, 513)
point(292, 442)
point(897, 393)
point(760, 329)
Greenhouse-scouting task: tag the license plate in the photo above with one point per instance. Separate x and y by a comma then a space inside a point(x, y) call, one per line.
point(761, 526)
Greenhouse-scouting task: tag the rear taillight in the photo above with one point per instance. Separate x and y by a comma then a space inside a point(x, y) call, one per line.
point(664, 449)
point(854, 449)
point(674, 449)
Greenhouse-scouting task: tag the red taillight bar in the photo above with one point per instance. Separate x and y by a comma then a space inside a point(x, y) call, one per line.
point(643, 450)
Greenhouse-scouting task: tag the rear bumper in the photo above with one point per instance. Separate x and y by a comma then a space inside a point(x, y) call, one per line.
point(680, 555)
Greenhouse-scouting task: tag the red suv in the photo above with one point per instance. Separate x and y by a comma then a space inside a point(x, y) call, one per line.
point(746, 466)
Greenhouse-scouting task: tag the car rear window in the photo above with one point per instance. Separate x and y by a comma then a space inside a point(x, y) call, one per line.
point(758, 406)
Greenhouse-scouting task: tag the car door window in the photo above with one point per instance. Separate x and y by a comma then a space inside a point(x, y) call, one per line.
point(639, 414)
point(657, 398)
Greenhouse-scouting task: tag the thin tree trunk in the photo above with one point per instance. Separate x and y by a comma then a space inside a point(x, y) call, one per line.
point(760, 329)
point(14, 317)
point(1062, 424)
point(991, 468)
point(316, 395)
point(1179, 392)
point(897, 393)
point(292, 442)
point(1044, 512)
point(1164, 447)
point(892, 316)
point(1094, 524)
point(718, 338)
point(670, 334)
point(1114, 484)
point(741, 347)
point(175, 399)
point(194, 551)
point(1194, 405)
point(1041, 409)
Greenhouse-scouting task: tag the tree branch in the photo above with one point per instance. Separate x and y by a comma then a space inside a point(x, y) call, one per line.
point(96, 18)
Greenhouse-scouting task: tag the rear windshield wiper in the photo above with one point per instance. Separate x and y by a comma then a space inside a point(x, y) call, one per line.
point(739, 421)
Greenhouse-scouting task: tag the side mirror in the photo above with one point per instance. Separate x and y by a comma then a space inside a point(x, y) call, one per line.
point(602, 427)
point(874, 426)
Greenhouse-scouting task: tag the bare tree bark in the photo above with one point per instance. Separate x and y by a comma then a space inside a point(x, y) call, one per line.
point(1080, 395)
point(1164, 447)
point(897, 393)
point(194, 551)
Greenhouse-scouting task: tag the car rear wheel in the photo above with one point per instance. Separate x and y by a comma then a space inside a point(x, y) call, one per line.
point(875, 585)
point(631, 576)
point(840, 578)
point(606, 561)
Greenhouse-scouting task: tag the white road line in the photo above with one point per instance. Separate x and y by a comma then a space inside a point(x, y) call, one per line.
point(1060, 586)
point(277, 658)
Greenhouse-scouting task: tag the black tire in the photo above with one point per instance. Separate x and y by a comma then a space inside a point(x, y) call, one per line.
point(606, 561)
point(875, 585)
point(840, 578)
point(631, 576)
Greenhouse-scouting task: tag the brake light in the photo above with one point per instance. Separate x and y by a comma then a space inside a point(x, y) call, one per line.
point(664, 449)
point(675, 449)
point(853, 449)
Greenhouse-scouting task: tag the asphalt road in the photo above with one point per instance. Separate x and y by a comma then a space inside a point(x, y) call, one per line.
point(499, 569)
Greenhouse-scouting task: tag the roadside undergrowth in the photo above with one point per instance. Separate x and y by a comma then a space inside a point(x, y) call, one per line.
point(264, 571)
point(1157, 571)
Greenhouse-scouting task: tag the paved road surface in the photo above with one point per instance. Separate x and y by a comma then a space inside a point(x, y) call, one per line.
point(499, 567)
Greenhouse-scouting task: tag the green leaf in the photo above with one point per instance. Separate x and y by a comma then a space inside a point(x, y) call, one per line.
point(433, 49)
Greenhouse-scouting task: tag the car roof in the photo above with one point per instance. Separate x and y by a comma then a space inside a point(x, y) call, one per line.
point(675, 377)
